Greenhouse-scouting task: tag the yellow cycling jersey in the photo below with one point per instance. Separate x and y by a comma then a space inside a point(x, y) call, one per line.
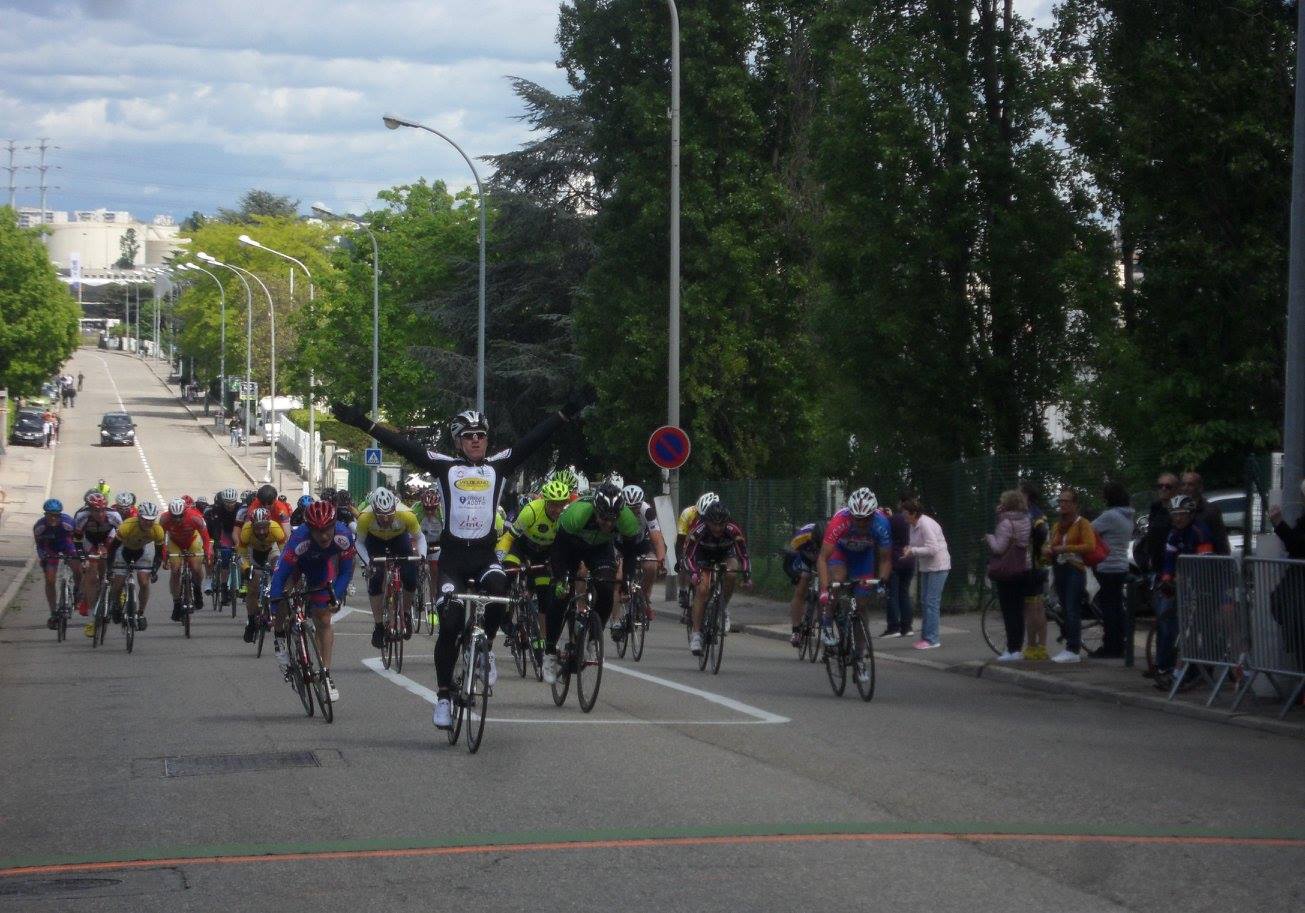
point(531, 525)
point(250, 540)
point(135, 537)
point(688, 517)
point(405, 521)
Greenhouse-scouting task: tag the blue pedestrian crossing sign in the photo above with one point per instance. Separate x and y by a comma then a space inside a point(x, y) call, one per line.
point(372, 456)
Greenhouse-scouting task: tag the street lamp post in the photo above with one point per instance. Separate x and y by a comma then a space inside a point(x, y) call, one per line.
point(249, 336)
point(222, 359)
point(271, 313)
point(376, 321)
point(312, 375)
point(394, 123)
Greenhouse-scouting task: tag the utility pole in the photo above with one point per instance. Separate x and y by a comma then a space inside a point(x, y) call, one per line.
point(1293, 426)
point(43, 145)
point(11, 145)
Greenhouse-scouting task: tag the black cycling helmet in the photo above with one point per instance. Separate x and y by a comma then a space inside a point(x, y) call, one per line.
point(607, 502)
point(246, 496)
point(267, 493)
point(468, 420)
point(343, 498)
point(716, 513)
point(328, 494)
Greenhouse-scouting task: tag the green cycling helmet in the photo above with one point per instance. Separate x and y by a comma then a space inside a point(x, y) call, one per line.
point(556, 490)
point(567, 478)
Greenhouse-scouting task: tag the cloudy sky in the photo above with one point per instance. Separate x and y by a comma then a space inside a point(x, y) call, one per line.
point(167, 107)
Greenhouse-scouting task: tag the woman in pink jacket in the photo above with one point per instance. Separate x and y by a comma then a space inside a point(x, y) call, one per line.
point(1009, 543)
point(932, 562)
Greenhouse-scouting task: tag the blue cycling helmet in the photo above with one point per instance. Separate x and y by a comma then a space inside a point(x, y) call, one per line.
point(53, 506)
point(305, 500)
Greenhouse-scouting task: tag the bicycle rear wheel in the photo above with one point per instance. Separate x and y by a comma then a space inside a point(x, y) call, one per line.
point(589, 662)
point(319, 680)
point(864, 663)
point(993, 625)
point(477, 697)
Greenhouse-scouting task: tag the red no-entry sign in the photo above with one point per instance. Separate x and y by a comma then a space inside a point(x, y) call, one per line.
point(668, 447)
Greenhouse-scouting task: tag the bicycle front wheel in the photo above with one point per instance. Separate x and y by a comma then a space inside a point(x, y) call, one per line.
point(638, 630)
point(562, 684)
point(589, 662)
point(863, 666)
point(319, 680)
point(836, 666)
point(299, 670)
point(716, 647)
point(993, 625)
point(477, 698)
point(129, 620)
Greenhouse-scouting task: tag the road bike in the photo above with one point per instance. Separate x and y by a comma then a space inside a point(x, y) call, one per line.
point(713, 620)
point(305, 672)
point(65, 596)
point(471, 691)
point(261, 576)
point(100, 605)
point(130, 603)
point(396, 622)
point(854, 649)
point(581, 655)
point(809, 630)
point(636, 617)
point(189, 599)
point(226, 580)
point(521, 623)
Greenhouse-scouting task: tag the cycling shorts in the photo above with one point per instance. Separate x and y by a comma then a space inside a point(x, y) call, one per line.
point(795, 566)
point(125, 557)
point(194, 550)
point(400, 546)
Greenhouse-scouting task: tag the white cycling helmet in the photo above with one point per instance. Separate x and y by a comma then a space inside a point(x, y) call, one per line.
point(228, 495)
point(862, 503)
point(125, 499)
point(176, 507)
point(632, 494)
point(384, 501)
point(616, 479)
point(149, 511)
point(707, 500)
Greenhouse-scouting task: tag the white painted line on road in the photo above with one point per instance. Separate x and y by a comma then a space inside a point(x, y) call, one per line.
point(140, 451)
point(759, 717)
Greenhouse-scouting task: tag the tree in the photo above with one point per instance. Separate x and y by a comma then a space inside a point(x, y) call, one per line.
point(129, 248)
point(257, 204)
point(194, 222)
point(740, 367)
point(1182, 116)
point(38, 315)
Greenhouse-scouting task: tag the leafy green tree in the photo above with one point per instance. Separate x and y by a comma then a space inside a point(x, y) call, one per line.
point(1181, 114)
point(740, 366)
point(129, 247)
point(38, 315)
point(256, 204)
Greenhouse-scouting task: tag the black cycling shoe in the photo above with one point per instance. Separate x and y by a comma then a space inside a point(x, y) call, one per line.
point(176, 611)
point(140, 622)
point(407, 626)
point(117, 616)
point(52, 622)
point(251, 630)
point(378, 637)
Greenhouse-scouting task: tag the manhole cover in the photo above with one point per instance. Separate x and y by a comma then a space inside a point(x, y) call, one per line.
point(237, 763)
point(31, 887)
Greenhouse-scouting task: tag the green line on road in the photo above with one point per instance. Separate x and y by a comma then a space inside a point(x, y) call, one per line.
point(19, 865)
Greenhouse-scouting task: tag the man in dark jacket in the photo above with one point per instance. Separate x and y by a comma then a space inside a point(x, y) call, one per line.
point(1207, 513)
point(1152, 551)
point(1293, 537)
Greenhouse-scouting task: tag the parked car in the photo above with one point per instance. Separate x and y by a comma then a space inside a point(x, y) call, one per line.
point(29, 428)
point(117, 428)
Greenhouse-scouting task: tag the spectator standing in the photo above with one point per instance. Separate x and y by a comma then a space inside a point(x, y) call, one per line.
point(1009, 569)
point(1035, 608)
point(1071, 539)
point(233, 432)
point(80, 377)
point(928, 546)
point(1293, 537)
point(1188, 535)
point(1207, 513)
point(1115, 526)
point(899, 622)
point(47, 420)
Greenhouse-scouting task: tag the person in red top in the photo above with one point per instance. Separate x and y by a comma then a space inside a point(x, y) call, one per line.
point(279, 510)
point(188, 540)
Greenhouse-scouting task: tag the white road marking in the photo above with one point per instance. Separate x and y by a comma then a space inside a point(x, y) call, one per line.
point(759, 717)
point(140, 451)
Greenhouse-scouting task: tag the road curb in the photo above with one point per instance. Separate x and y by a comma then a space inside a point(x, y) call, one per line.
point(1036, 681)
point(199, 420)
point(11, 591)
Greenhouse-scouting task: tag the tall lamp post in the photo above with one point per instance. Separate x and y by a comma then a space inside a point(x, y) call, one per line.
point(276, 425)
point(222, 360)
point(312, 377)
point(376, 320)
point(249, 335)
point(1293, 426)
point(394, 123)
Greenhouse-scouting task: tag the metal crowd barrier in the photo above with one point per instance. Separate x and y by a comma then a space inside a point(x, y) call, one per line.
point(1212, 624)
point(1275, 597)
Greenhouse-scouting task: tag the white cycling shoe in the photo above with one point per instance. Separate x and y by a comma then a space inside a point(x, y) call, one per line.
point(551, 668)
point(493, 670)
point(443, 717)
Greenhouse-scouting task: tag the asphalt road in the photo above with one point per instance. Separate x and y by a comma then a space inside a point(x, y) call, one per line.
point(755, 789)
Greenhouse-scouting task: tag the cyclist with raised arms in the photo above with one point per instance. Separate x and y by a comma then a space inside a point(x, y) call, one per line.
point(54, 539)
point(388, 529)
point(587, 532)
point(858, 543)
point(471, 482)
point(714, 539)
point(128, 545)
point(321, 551)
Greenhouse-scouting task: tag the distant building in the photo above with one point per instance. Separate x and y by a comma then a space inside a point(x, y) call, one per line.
point(94, 236)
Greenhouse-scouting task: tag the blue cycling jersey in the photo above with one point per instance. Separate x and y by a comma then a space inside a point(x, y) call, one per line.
point(303, 556)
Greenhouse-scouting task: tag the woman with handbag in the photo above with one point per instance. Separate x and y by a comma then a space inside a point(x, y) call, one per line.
point(1009, 567)
point(1069, 546)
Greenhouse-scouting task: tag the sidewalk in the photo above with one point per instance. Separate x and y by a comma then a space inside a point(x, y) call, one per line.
point(254, 466)
point(964, 651)
point(25, 476)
